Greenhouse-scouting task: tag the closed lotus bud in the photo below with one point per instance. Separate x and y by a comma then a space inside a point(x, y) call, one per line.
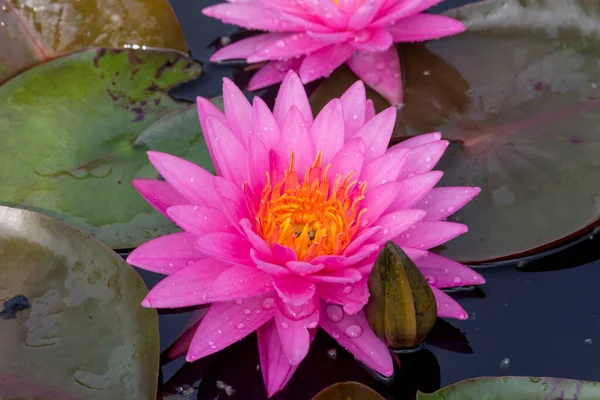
point(401, 309)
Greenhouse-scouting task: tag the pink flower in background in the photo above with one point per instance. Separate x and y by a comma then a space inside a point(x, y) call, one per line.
point(314, 37)
point(283, 239)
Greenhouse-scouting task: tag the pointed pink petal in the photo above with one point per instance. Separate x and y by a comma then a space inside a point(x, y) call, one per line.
point(294, 335)
point(352, 296)
point(205, 108)
point(447, 307)
point(296, 45)
point(348, 159)
point(268, 267)
point(244, 48)
point(426, 235)
point(442, 202)
point(257, 242)
point(239, 282)
point(232, 200)
point(294, 289)
point(182, 344)
point(348, 275)
point(378, 200)
point(303, 268)
point(237, 110)
point(402, 9)
point(420, 140)
point(283, 254)
point(226, 323)
point(327, 132)
point(414, 189)
point(266, 76)
point(363, 236)
point(161, 195)
point(355, 335)
point(353, 103)
point(250, 16)
point(257, 164)
point(323, 62)
point(384, 168)
point(200, 220)
point(423, 158)
point(166, 254)
point(421, 27)
point(379, 41)
point(380, 71)
point(442, 272)
point(227, 247)
point(364, 14)
point(229, 150)
point(377, 133)
point(274, 364)
point(393, 224)
point(264, 125)
point(331, 37)
point(292, 93)
point(186, 287)
point(295, 136)
point(369, 110)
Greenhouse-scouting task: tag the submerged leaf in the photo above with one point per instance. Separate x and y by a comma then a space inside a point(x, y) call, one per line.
point(348, 391)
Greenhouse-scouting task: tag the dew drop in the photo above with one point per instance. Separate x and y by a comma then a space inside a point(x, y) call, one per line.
point(247, 312)
point(219, 331)
point(446, 270)
point(458, 280)
point(280, 44)
point(240, 326)
point(192, 179)
point(355, 116)
point(335, 335)
point(347, 289)
point(334, 312)
point(312, 325)
point(332, 354)
point(353, 331)
point(431, 279)
point(211, 343)
point(268, 303)
point(284, 325)
point(504, 364)
point(239, 301)
point(171, 265)
point(427, 159)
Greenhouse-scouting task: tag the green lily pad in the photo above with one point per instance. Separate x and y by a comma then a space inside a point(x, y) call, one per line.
point(33, 32)
point(71, 325)
point(69, 139)
point(516, 388)
point(348, 391)
point(518, 97)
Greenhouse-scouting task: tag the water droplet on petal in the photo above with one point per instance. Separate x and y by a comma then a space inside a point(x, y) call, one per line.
point(171, 265)
point(247, 311)
point(239, 301)
point(431, 279)
point(458, 280)
point(347, 289)
point(284, 325)
point(219, 331)
point(211, 343)
point(334, 312)
point(192, 179)
point(427, 159)
point(335, 335)
point(353, 331)
point(240, 326)
point(268, 303)
point(312, 325)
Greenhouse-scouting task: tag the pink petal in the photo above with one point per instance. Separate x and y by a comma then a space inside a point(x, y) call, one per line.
point(348, 275)
point(250, 16)
point(423, 158)
point(274, 364)
point(190, 180)
point(161, 195)
point(186, 287)
point(402, 9)
point(369, 110)
point(426, 235)
point(244, 48)
point(268, 267)
point(327, 132)
point(421, 27)
point(365, 346)
point(353, 103)
point(296, 45)
point(266, 76)
point(348, 159)
point(303, 268)
point(393, 224)
point(229, 150)
point(380, 71)
point(442, 272)
point(295, 136)
point(352, 296)
point(232, 200)
point(360, 239)
point(294, 289)
point(377, 133)
point(331, 37)
point(283, 254)
point(414, 189)
point(228, 247)
point(442, 202)
point(257, 242)
point(182, 343)
point(447, 307)
point(166, 254)
point(257, 164)
point(349, 6)
point(237, 110)
point(200, 220)
point(292, 93)
point(294, 334)
point(329, 13)
point(239, 282)
point(379, 41)
point(420, 140)
point(364, 14)
point(384, 168)
point(378, 200)
point(264, 125)
point(226, 323)
point(323, 62)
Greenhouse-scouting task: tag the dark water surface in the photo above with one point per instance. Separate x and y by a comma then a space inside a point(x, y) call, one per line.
point(540, 318)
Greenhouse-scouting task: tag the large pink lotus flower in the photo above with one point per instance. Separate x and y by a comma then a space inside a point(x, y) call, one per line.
point(314, 37)
point(283, 239)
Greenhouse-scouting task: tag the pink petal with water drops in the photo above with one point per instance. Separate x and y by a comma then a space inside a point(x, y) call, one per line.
point(355, 335)
point(377, 133)
point(295, 137)
point(244, 48)
point(189, 179)
point(423, 158)
point(329, 13)
point(369, 110)
point(303, 268)
point(239, 282)
point(331, 37)
point(229, 150)
point(256, 164)
point(294, 333)
point(351, 296)
point(237, 110)
point(384, 168)
point(359, 239)
point(294, 289)
point(380, 71)
point(292, 93)
point(264, 125)
point(226, 323)
point(323, 62)
point(258, 243)
point(426, 235)
point(268, 267)
point(296, 45)
point(270, 74)
point(348, 275)
point(420, 140)
point(353, 104)
point(186, 287)
point(327, 132)
point(250, 16)
point(283, 254)
point(393, 224)
point(166, 254)
point(442, 272)
point(349, 159)
point(364, 14)
point(233, 202)
point(422, 27)
point(442, 202)
point(379, 40)
point(414, 189)
point(161, 195)
point(447, 307)
point(226, 247)
point(205, 108)
point(200, 220)
point(275, 367)
point(182, 343)
point(402, 9)
point(378, 200)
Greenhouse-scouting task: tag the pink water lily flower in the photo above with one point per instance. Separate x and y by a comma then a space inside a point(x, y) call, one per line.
point(314, 37)
point(283, 238)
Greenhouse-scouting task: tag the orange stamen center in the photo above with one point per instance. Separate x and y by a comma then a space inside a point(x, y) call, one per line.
point(309, 216)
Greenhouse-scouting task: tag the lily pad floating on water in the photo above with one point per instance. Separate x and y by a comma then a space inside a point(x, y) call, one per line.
point(518, 97)
point(70, 127)
point(78, 331)
point(516, 388)
point(33, 32)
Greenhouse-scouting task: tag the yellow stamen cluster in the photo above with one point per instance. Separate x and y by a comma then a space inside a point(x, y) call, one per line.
point(309, 216)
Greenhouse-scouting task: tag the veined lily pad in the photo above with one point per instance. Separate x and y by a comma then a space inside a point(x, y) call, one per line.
point(36, 31)
point(72, 326)
point(69, 145)
point(518, 97)
point(516, 388)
